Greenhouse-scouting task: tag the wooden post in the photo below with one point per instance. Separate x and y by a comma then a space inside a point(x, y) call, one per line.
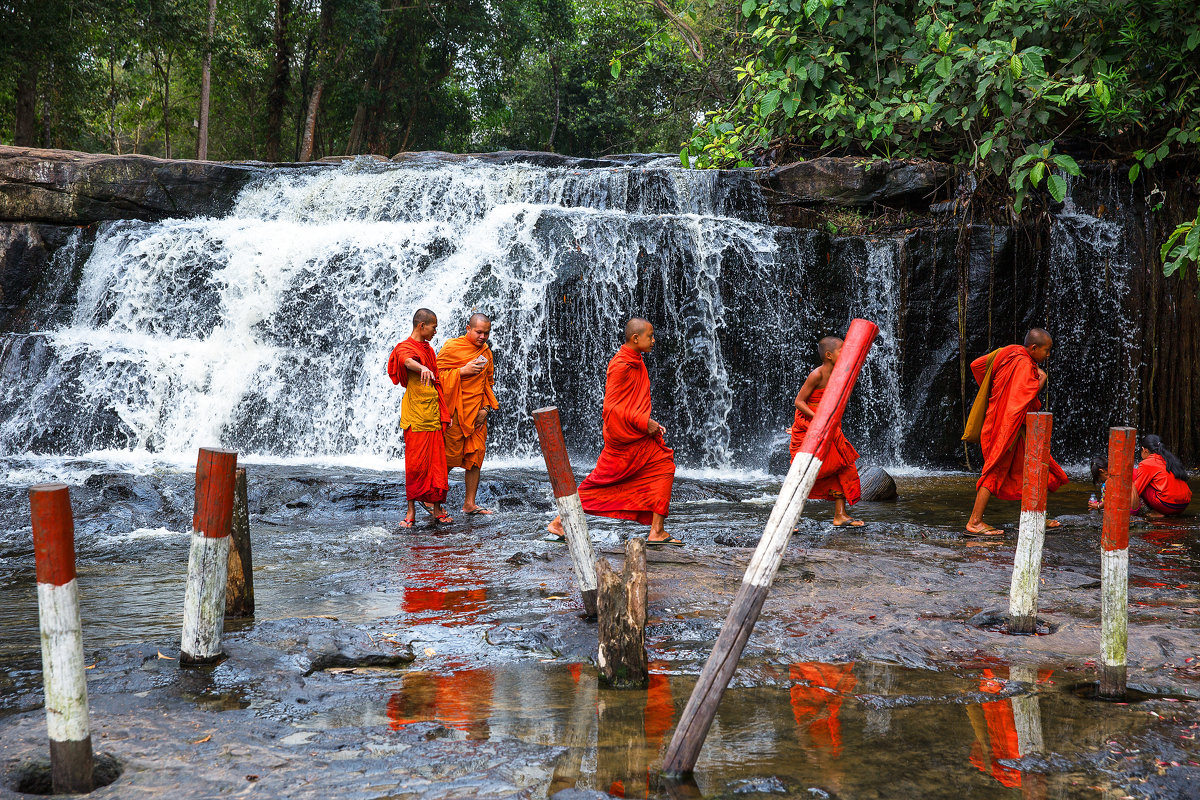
point(566, 497)
point(62, 640)
point(1027, 562)
point(208, 560)
point(706, 695)
point(621, 605)
point(239, 585)
point(1027, 713)
point(1114, 562)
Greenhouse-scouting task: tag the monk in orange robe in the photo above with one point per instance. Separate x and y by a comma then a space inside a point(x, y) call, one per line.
point(423, 416)
point(636, 469)
point(838, 477)
point(467, 373)
point(1010, 380)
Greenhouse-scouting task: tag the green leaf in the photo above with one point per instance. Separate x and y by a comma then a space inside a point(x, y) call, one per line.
point(1134, 171)
point(683, 158)
point(748, 7)
point(1178, 232)
point(1057, 186)
point(1020, 200)
point(1014, 67)
point(1005, 102)
point(1035, 174)
point(791, 104)
point(1193, 40)
point(615, 68)
point(769, 103)
point(943, 67)
point(1163, 152)
point(1067, 163)
point(985, 147)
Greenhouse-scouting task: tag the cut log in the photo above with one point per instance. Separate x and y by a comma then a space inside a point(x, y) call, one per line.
point(239, 584)
point(621, 605)
point(877, 484)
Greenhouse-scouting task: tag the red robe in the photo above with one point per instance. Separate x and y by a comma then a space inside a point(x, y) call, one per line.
point(633, 476)
point(817, 705)
point(1014, 392)
point(423, 417)
point(838, 475)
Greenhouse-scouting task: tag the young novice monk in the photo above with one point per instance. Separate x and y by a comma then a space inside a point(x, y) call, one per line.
point(838, 478)
point(1160, 481)
point(467, 372)
point(636, 469)
point(423, 417)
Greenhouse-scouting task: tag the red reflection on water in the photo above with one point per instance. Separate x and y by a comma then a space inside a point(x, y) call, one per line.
point(438, 590)
point(460, 700)
point(660, 707)
point(995, 733)
point(817, 704)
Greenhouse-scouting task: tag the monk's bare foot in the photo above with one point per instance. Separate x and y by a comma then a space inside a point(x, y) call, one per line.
point(983, 529)
point(850, 522)
point(477, 510)
point(1053, 523)
point(1149, 515)
point(556, 528)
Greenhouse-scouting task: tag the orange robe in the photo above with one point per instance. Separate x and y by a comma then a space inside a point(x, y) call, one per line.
point(838, 475)
point(1001, 743)
point(423, 415)
point(818, 704)
point(1014, 392)
point(466, 441)
point(635, 471)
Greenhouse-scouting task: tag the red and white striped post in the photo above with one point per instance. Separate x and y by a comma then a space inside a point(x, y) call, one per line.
point(1114, 562)
point(706, 695)
point(566, 497)
point(1027, 562)
point(62, 640)
point(204, 600)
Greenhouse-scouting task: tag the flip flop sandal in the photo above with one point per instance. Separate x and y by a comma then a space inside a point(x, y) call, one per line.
point(407, 523)
point(480, 512)
point(554, 537)
point(987, 533)
point(445, 519)
point(672, 542)
point(850, 524)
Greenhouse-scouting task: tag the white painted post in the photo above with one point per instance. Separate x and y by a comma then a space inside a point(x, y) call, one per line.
point(63, 675)
point(1027, 563)
point(1114, 563)
point(204, 599)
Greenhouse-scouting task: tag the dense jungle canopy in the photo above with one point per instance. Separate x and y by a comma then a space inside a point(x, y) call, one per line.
point(1018, 89)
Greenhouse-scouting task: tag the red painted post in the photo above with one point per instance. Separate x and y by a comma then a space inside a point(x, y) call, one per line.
point(1027, 562)
point(722, 662)
point(63, 675)
point(208, 560)
point(566, 498)
point(1114, 562)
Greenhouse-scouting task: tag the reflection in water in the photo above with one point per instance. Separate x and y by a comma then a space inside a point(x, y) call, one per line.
point(427, 590)
point(816, 698)
point(460, 700)
point(1006, 730)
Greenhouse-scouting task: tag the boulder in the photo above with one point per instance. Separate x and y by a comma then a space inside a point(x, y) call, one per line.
point(852, 182)
point(877, 484)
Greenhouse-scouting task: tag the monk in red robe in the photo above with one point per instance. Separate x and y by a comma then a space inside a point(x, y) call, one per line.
point(1010, 380)
point(423, 417)
point(467, 373)
point(838, 477)
point(635, 471)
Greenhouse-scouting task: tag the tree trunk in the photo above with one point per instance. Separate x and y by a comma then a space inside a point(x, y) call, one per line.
point(621, 606)
point(206, 85)
point(310, 121)
point(24, 126)
point(557, 100)
point(314, 100)
point(279, 82)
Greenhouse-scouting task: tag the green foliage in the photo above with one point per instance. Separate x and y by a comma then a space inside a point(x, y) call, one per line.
point(988, 84)
point(1182, 248)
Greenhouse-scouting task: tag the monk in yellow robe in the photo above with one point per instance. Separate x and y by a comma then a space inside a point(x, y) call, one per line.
point(468, 374)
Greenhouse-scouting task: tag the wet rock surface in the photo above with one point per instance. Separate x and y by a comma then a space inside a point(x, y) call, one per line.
point(451, 661)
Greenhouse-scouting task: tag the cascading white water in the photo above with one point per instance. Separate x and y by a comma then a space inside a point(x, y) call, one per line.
point(268, 329)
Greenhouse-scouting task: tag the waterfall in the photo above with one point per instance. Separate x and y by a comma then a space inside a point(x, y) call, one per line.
point(268, 329)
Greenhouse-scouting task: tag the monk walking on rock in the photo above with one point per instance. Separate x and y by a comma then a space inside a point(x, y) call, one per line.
point(1010, 380)
point(468, 373)
point(635, 471)
point(423, 416)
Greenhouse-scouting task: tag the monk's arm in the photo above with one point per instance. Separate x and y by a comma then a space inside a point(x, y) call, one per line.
point(412, 365)
point(1042, 379)
point(810, 386)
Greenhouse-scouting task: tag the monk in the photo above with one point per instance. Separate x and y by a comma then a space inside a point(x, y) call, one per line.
point(838, 477)
point(1010, 380)
point(467, 374)
point(423, 417)
point(635, 471)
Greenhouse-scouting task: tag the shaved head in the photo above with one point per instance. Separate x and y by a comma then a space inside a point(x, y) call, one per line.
point(828, 345)
point(424, 317)
point(1037, 336)
point(635, 326)
point(478, 318)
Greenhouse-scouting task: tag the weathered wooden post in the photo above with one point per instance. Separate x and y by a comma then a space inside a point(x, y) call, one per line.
point(621, 605)
point(1114, 562)
point(239, 584)
point(1027, 563)
point(208, 560)
point(706, 695)
point(566, 497)
point(62, 640)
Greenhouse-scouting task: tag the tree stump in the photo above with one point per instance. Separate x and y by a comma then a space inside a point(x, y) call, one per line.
point(621, 607)
point(239, 587)
point(877, 484)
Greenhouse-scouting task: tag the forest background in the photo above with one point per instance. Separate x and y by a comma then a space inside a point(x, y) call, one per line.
point(1018, 90)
